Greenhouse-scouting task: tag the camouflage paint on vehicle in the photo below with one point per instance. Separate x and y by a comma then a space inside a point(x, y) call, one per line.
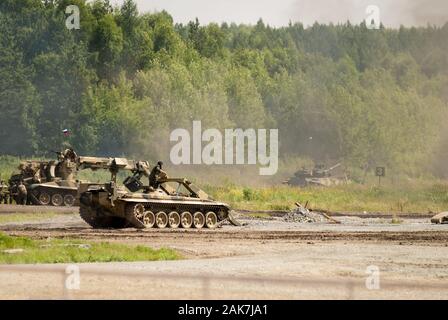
point(175, 203)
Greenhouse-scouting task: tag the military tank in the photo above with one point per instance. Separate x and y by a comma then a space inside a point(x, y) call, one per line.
point(172, 203)
point(49, 182)
point(318, 176)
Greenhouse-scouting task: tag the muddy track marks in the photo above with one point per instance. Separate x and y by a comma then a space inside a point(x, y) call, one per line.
point(433, 237)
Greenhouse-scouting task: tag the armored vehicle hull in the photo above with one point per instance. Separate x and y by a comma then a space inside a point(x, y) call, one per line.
point(56, 193)
point(164, 203)
point(48, 182)
point(323, 182)
point(318, 176)
point(104, 207)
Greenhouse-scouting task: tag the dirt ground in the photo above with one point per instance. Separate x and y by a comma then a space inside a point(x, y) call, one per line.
point(267, 258)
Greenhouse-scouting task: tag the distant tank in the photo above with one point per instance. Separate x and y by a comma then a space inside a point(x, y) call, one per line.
point(172, 203)
point(49, 182)
point(318, 176)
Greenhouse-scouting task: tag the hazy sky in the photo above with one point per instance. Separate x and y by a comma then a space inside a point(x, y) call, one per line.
point(280, 12)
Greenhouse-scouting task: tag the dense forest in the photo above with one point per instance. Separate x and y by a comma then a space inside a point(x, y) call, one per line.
point(125, 79)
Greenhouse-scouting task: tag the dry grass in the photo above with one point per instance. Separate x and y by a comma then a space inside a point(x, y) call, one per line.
point(419, 198)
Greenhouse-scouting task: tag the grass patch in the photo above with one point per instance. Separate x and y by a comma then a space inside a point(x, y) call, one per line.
point(412, 198)
point(8, 165)
point(76, 251)
point(25, 217)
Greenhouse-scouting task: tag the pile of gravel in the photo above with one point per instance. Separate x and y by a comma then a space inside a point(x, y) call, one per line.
point(303, 215)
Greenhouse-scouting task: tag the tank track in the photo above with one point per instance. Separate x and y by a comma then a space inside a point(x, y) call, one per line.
point(158, 216)
point(98, 220)
point(175, 216)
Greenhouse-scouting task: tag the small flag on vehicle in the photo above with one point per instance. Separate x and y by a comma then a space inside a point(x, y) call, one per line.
point(66, 132)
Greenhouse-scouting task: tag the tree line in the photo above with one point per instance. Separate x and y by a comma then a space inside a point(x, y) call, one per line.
point(124, 80)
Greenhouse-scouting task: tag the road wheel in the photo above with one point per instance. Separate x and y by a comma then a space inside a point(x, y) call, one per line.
point(198, 220)
point(186, 220)
point(57, 200)
point(135, 214)
point(174, 220)
point(44, 198)
point(211, 220)
point(69, 200)
point(139, 210)
point(161, 220)
point(149, 219)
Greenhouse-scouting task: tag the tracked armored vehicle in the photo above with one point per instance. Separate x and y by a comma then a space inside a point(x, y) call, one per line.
point(318, 176)
point(49, 182)
point(173, 203)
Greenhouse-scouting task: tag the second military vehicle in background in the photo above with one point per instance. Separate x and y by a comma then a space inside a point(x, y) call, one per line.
point(48, 182)
point(318, 176)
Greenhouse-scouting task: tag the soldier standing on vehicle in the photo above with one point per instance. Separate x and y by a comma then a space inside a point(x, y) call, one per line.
point(156, 175)
point(22, 194)
point(70, 154)
point(36, 176)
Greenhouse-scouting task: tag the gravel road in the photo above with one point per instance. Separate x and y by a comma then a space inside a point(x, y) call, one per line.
point(264, 259)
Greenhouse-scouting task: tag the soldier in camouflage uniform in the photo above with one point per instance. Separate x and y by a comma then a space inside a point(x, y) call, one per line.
point(22, 194)
point(156, 175)
point(70, 154)
point(4, 193)
point(12, 190)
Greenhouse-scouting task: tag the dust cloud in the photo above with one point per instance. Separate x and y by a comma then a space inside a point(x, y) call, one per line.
point(279, 13)
point(393, 13)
